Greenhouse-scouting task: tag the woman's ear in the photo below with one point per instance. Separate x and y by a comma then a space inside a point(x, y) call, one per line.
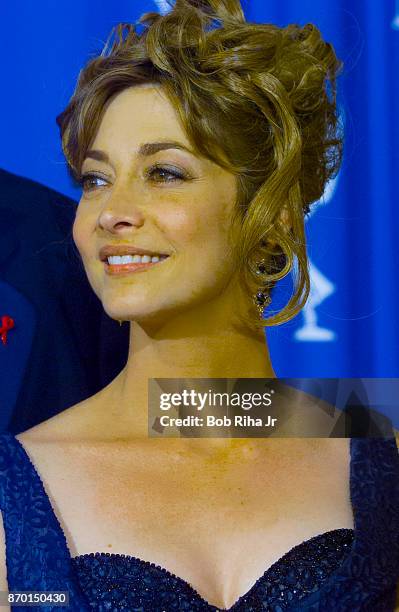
point(283, 221)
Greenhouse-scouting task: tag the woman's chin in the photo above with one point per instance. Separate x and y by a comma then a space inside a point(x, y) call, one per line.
point(143, 314)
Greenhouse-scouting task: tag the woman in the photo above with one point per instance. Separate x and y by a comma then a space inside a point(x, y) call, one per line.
point(199, 150)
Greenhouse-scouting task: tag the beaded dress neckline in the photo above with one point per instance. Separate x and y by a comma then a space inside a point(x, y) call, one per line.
point(318, 570)
point(316, 558)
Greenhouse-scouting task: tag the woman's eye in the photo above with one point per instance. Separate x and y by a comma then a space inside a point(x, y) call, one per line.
point(163, 174)
point(92, 181)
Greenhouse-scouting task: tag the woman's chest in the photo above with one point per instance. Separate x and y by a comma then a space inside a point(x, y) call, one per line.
point(142, 503)
point(217, 523)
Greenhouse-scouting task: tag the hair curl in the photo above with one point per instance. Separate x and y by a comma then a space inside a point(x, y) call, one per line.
point(257, 99)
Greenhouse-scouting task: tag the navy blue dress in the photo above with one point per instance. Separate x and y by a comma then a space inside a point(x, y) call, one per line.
point(343, 570)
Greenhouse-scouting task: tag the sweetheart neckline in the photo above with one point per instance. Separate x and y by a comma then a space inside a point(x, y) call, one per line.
point(149, 564)
point(355, 531)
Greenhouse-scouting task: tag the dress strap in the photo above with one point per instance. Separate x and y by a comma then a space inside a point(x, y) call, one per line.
point(374, 477)
point(368, 577)
point(37, 554)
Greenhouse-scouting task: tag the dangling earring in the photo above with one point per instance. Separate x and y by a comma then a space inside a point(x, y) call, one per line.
point(120, 322)
point(262, 297)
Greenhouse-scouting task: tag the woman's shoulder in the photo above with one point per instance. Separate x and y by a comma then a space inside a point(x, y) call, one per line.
point(68, 425)
point(82, 421)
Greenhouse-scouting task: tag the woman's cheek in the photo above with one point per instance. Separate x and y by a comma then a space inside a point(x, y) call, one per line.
point(77, 237)
point(179, 218)
point(82, 232)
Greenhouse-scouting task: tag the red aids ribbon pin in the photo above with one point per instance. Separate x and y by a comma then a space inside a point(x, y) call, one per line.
point(7, 323)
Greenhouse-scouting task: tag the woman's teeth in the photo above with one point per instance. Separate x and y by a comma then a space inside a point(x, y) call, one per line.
point(127, 259)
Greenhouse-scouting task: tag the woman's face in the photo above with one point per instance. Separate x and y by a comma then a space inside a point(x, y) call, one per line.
point(139, 192)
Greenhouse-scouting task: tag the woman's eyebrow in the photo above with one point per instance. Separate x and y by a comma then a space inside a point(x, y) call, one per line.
point(150, 148)
point(145, 150)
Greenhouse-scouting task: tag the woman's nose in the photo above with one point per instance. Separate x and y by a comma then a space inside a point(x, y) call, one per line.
point(120, 222)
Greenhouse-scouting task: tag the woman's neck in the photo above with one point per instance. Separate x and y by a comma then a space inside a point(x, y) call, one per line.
point(203, 348)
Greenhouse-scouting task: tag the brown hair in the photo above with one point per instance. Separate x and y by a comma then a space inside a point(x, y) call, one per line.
point(257, 99)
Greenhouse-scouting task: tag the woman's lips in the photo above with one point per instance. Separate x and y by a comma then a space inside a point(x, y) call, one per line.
point(119, 269)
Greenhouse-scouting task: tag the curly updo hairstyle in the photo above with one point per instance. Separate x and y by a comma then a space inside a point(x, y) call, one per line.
point(257, 99)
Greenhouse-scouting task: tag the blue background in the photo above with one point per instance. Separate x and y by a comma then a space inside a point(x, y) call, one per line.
point(350, 327)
